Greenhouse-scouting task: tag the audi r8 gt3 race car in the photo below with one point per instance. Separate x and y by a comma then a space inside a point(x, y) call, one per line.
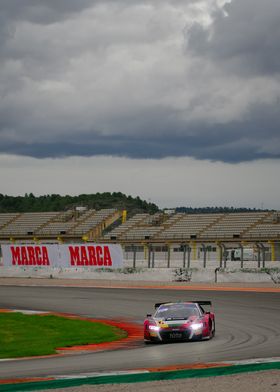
point(179, 321)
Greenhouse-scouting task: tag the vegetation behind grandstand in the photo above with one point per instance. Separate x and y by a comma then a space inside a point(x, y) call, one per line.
point(31, 203)
point(118, 200)
point(214, 210)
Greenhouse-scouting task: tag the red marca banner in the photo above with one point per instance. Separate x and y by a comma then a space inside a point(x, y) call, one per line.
point(70, 255)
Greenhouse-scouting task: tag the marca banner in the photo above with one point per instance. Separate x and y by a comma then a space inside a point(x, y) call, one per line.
point(92, 255)
point(30, 255)
point(65, 256)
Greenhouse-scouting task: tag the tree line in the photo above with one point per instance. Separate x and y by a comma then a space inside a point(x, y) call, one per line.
point(54, 202)
point(215, 210)
point(118, 200)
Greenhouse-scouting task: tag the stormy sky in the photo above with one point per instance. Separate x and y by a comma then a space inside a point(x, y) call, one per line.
point(187, 90)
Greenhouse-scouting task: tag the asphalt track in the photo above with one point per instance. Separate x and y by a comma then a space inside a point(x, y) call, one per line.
point(247, 327)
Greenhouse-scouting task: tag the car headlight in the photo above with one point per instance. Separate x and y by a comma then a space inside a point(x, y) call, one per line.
point(196, 326)
point(154, 327)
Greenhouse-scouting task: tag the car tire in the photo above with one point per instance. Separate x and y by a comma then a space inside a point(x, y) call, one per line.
point(213, 330)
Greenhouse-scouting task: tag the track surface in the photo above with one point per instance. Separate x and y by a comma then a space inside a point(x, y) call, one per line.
point(247, 326)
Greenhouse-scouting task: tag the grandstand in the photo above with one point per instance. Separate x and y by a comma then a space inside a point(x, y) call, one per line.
point(119, 232)
point(233, 225)
point(21, 225)
point(189, 226)
point(215, 233)
point(160, 227)
point(141, 227)
point(181, 227)
point(6, 219)
point(267, 228)
point(94, 223)
point(68, 225)
point(105, 225)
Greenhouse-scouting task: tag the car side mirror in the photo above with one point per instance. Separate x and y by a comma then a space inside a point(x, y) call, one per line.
point(149, 315)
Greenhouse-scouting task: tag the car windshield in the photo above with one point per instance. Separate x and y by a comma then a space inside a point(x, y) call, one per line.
point(177, 311)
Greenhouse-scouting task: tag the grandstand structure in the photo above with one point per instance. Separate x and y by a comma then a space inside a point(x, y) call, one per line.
point(228, 230)
point(181, 227)
point(72, 225)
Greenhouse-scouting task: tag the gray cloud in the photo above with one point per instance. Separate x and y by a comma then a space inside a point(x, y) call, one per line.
point(140, 79)
point(246, 39)
point(42, 11)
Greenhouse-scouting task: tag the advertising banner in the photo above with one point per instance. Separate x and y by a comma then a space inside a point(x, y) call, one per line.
point(92, 255)
point(30, 255)
point(65, 256)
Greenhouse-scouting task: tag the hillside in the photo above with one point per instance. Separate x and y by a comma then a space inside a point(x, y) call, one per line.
point(31, 203)
point(118, 200)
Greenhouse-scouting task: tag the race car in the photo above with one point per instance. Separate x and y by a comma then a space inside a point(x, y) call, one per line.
point(179, 321)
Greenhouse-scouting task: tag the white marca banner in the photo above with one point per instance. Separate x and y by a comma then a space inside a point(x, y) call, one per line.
point(70, 255)
point(30, 255)
point(92, 255)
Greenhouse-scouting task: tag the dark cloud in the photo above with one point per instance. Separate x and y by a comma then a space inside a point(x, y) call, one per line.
point(246, 38)
point(42, 11)
point(230, 143)
point(115, 80)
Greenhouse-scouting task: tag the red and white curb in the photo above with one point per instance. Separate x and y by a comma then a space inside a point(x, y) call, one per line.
point(98, 374)
point(194, 366)
point(253, 361)
point(179, 367)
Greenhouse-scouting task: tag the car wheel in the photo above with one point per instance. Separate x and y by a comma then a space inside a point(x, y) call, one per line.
point(213, 329)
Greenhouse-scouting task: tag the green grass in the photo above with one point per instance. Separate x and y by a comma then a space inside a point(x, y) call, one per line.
point(30, 335)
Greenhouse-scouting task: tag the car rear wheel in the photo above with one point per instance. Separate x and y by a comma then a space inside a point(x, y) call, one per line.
point(212, 329)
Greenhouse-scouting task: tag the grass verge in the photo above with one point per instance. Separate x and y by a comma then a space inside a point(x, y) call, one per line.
point(30, 335)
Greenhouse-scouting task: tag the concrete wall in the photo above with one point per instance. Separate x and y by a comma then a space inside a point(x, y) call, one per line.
point(152, 274)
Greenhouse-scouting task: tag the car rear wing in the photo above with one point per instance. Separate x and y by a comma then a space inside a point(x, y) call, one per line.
point(200, 303)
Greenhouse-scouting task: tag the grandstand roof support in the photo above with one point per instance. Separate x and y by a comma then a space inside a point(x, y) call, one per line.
point(261, 251)
point(186, 250)
point(259, 255)
point(223, 254)
point(153, 257)
point(204, 249)
point(184, 255)
point(272, 244)
point(146, 250)
point(241, 255)
point(189, 256)
point(168, 255)
point(134, 255)
point(263, 254)
point(149, 255)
